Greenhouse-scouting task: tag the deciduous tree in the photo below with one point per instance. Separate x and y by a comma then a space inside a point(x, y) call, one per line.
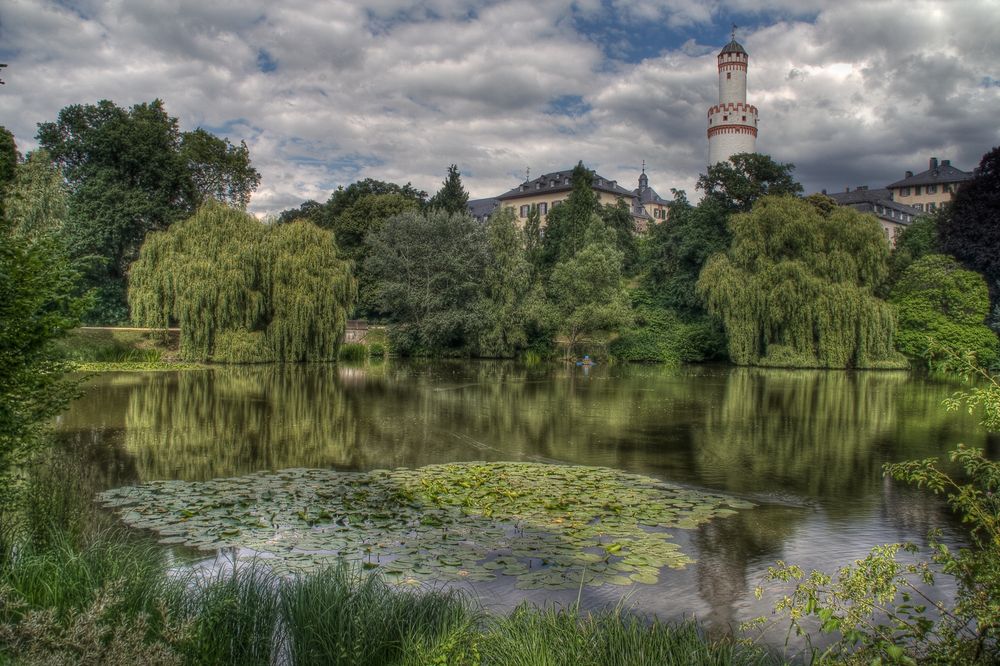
point(970, 228)
point(243, 291)
point(941, 304)
point(745, 177)
point(587, 294)
point(796, 288)
point(427, 271)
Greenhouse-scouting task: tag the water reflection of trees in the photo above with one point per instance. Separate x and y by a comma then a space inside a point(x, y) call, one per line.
point(819, 433)
point(808, 433)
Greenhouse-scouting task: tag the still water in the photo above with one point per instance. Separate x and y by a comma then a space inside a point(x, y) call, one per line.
point(806, 446)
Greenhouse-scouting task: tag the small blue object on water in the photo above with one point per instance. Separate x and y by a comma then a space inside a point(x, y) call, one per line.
point(586, 361)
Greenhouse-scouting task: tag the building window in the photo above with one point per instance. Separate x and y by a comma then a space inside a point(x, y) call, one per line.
point(744, 118)
point(916, 190)
point(729, 75)
point(932, 189)
point(556, 203)
point(525, 210)
point(918, 206)
point(931, 207)
point(904, 192)
point(725, 117)
point(543, 208)
point(946, 188)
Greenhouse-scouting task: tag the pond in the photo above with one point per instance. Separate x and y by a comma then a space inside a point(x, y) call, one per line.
point(805, 448)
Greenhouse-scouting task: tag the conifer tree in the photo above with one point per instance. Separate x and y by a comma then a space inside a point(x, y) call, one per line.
point(452, 197)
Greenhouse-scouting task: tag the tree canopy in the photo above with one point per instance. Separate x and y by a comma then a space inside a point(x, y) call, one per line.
point(243, 291)
point(570, 226)
point(132, 171)
point(38, 303)
point(511, 299)
point(940, 304)
point(745, 177)
point(796, 287)
point(587, 294)
point(970, 228)
point(427, 270)
point(452, 197)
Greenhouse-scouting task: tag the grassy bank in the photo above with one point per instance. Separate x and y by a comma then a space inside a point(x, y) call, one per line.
point(121, 349)
point(109, 600)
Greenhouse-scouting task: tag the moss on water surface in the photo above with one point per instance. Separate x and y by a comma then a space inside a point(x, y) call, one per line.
point(548, 526)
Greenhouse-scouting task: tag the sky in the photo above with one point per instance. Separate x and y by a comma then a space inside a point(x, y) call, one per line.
point(325, 93)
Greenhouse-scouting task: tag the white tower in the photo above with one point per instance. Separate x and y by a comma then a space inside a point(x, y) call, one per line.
point(732, 123)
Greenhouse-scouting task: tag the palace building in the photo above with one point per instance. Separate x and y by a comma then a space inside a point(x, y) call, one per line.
point(550, 190)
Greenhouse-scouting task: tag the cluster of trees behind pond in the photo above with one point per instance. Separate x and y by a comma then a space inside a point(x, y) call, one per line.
point(754, 272)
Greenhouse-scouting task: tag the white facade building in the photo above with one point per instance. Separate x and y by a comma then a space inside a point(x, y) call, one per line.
point(732, 123)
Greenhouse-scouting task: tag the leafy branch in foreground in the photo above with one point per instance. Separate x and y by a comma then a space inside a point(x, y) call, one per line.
point(880, 610)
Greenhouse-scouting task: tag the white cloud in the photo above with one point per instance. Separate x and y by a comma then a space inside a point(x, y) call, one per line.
point(854, 92)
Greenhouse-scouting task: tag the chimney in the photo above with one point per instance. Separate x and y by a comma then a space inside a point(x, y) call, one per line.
point(847, 189)
point(909, 174)
point(945, 162)
point(933, 163)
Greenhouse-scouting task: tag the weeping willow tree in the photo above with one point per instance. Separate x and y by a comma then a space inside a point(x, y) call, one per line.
point(795, 288)
point(243, 291)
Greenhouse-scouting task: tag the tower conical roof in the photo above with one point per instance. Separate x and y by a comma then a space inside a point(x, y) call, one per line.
point(733, 47)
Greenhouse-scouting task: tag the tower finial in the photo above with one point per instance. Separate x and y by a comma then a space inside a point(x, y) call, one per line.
point(734, 32)
point(644, 166)
point(527, 174)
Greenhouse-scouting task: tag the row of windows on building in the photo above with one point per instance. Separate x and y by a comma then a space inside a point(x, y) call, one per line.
point(882, 210)
point(924, 189)
point(725, 118)
point(543, 209)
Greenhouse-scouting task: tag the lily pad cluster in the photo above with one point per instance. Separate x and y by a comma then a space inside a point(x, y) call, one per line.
point(548, 526)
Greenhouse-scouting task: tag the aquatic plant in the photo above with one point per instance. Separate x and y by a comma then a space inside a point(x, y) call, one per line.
point(547, 526)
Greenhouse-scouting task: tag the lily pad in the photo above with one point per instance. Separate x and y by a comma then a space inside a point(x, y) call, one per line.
point(549, 526)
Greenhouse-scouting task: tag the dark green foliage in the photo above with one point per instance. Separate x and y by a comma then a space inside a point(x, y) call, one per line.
point(940, 303)
point(309, 210)
point(132, 171)
point(534, 248)
point(915, 242)
point(587, 294)
point(427, 272)
point(796, 288)
point(678, 250)
point(738, 182)
point(512, 300)
point(344, 198)
point(242, 291)
point(38, 304)
point(661, 335)
point(452, 197)
point(9, 158)
point(619, 219)
point(218, 169)
point(969, 229)
point(572, 225)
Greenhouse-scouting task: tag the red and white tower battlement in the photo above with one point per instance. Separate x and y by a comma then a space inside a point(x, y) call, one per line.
point(732, 123)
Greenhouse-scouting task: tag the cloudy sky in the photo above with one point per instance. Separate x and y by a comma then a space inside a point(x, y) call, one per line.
point(326, 92)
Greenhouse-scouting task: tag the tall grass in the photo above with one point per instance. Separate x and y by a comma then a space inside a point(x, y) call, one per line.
point(232, 617)
point(111, 600)
point(342, 616)
point(531, 636)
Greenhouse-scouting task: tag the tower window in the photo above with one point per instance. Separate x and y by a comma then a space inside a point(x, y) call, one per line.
point(725, 117)
point(744, 117)
point(729, 75)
